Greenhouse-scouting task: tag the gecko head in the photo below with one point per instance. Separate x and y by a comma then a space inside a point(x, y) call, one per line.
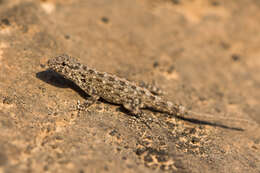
point(62, 62)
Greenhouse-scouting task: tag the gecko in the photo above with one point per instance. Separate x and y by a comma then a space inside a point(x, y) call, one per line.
point(111, 88)
point(120, 91)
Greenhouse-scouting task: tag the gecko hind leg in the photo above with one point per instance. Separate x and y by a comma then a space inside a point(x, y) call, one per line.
point(151, 87)
point(136, 111)
point(133, 109)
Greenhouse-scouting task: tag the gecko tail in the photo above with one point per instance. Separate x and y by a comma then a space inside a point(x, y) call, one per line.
point(211, 117)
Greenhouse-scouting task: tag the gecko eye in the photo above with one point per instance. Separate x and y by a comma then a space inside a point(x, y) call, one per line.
point(63, 63)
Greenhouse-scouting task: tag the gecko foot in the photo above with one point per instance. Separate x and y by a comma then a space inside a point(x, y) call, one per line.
point(89, 101)
point(136, 111)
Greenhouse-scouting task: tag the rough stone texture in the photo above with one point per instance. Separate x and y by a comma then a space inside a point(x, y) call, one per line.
point(203, 53)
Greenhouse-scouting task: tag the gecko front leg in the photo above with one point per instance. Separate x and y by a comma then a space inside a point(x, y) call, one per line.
point(88, 102)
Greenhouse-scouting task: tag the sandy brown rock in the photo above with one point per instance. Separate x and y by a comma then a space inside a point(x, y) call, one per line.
point(202, 53)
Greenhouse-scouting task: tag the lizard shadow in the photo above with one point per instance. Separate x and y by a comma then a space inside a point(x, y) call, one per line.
point(57, 80)
point(196, 121)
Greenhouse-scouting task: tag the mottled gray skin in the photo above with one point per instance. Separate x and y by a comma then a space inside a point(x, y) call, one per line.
point(111, 88)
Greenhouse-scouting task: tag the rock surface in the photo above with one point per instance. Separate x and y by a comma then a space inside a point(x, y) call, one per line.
point(203, 53)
